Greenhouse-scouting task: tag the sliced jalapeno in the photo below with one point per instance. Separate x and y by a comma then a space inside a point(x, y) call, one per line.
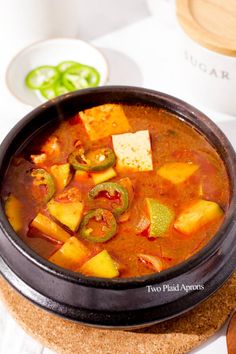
point(64, 65)
point(80, 76)
point(53, 91)
point(60, 89)
point(48, 92)
point(92, 160)
point(42, 77)
point(98, 225)
point(112, 191)
point(43, 178)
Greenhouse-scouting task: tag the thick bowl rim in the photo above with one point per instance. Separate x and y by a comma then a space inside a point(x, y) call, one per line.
point(133, 282)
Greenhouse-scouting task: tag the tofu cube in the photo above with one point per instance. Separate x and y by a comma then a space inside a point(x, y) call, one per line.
point(104, 120)
point(133, 151)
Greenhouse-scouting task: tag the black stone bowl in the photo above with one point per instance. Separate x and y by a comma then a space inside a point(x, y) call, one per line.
point(118, 303)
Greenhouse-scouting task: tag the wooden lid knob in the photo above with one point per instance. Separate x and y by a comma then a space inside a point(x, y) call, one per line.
point(211, 23)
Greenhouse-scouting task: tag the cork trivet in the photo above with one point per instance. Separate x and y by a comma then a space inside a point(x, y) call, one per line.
point(174, 336)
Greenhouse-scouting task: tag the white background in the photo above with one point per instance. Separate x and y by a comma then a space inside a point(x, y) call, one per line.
point(141, 46)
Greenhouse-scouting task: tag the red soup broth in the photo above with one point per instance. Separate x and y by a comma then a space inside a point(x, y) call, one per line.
point(164, 223)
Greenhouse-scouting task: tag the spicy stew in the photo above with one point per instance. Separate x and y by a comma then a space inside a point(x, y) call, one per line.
point(117, 191)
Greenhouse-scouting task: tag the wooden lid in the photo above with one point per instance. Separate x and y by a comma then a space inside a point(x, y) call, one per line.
point(211, 23)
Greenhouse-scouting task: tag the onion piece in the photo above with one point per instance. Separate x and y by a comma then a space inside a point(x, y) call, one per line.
point(51, 146)
point(152, 262)
point(38, 159)
point(142, 225)
point(125, 216)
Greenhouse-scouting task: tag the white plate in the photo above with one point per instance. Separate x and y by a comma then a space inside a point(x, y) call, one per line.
point(50, 52)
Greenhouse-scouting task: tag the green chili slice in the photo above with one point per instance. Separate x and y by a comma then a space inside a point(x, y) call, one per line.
point(60, 89)
point(92, 160)
point(48, 93)
point(53, 91)
point(43, 178)
point(64, 65)
point(42, 77)
point(80, 76)
point(112, 191)
point(98, 225)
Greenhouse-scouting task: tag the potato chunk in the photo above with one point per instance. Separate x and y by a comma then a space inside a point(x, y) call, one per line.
point(71, 254)
point(101, 265)
point(81, 176)
point(133, 151)
point(13, 209)
point(99, 177)
point(67, 208)
point(61, 174)
point(50, 228)
point(177, 172)
point(104, 120)
point(197, 215)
